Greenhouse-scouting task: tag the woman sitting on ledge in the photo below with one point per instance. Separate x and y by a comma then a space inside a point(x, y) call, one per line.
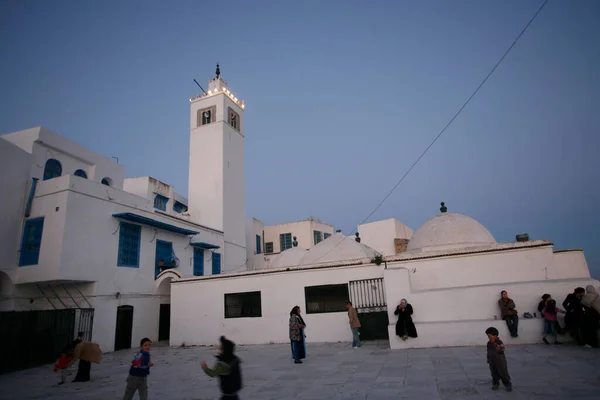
point(405, 327)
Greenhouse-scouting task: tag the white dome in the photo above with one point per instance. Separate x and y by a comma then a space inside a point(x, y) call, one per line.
point(449, 231)
point(337, 248)
point(288, 258)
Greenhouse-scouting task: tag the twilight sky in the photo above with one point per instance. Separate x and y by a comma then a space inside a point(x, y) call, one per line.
point(341, 98)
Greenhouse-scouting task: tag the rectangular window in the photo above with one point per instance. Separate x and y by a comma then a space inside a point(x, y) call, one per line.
point(285, 241)
point(216, 263)
point(243, 305)
point(31, 242)
point(206, 116)
point(164, 256)
point(268, 247)
point(233, 119)
point(179, 207)
point(160, 202)
point(258, 244)
point(326, 298)
point(129, 245)
point(318, 236)
point(326, 235)
point(198, 261)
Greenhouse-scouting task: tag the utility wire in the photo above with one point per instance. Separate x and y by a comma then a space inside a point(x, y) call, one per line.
point(445, 127)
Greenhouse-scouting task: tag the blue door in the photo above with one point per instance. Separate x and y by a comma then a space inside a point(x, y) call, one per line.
point(216, 263)
point(198, 262)
point(164, 252)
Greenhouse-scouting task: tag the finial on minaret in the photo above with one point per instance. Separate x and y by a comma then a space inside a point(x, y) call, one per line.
point(443, 208)
point(357, 238)
point(218, 71)
point(295, 242)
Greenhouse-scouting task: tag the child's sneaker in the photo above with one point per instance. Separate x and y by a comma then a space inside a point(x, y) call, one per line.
point(495, 386)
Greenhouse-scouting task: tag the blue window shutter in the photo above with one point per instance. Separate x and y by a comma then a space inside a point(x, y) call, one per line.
point(80, 173)
point(53, 169)
point(129, 245)
point(198, 262)
point(258, 244)
point(31, 242)
point(216, 263)
point(160, 202)
point(164, 251)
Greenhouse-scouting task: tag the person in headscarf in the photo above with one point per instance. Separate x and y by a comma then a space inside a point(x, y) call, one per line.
point(509, 313)
point(575, 318)
point(87, 353)
point(297, 326)
point(405, 327)
point(227, 368)
point(591, 304)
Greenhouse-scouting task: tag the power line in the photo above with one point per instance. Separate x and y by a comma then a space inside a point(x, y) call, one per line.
point(445, 127)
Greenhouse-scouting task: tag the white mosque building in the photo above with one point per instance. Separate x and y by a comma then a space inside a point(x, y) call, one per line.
point(78, 236)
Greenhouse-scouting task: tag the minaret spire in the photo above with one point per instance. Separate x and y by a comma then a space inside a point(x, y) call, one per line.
point(218, 71)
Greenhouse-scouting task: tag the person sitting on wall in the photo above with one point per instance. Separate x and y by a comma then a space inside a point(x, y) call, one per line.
point(574, 320)
point(509, 314)
point(405, 326)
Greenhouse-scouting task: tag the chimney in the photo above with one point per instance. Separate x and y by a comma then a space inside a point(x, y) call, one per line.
point(523, 237)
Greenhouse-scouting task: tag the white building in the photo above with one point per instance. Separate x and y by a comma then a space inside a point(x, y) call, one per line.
point(77, 235)
point(452, 273)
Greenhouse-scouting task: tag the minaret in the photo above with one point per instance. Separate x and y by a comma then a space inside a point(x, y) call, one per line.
point(216, 195)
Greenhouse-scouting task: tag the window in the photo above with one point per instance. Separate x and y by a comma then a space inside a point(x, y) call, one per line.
point(129, 245)
point(268, 247)
point(53, 169)
point(216, 263)
point(106, 181)
point(206, 116)
point(258, 244)
point(179, 207)
point(80, 173)
point(326, 235)
point(326, 298)
point(160, 202)
point(285, 241)
point(198, 261)
point(233, 119)
point(318, 236)
point(31, 242)
point(164, 256)
point(243, 305)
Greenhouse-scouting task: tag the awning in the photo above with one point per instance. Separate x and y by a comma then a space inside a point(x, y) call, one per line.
point(152, 222)
point(206, 246)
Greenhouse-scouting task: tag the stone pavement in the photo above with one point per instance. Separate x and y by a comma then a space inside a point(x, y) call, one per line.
point(333, 371)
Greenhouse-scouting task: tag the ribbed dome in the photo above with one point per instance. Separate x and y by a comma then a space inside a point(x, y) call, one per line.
point(288, 258)
point(337, 248)
point(449, 231)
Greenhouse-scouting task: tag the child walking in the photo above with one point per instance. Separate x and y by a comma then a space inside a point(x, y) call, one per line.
point(62, 364)
point(227, 368)
point(497, 360)
point(139, 371)
point(550, 314)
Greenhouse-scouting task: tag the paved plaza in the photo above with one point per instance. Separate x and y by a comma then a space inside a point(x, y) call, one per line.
point(333, 371)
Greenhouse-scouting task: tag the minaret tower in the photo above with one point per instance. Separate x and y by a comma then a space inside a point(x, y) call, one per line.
point(216, 195)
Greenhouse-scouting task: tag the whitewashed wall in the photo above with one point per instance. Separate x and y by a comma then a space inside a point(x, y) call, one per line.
point(255, 261)
point(303, 230)
point(380, 235)
point(204, 323)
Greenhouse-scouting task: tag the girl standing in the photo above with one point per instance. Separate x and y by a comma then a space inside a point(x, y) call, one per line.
point(550, 313)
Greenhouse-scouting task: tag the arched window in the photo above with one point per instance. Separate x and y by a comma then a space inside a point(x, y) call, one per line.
point(53, 169)
point(80, 173)
point(107, 181)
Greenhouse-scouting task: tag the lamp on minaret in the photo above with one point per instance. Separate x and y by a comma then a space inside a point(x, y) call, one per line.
point(443, 208)
point(295, 242)
point(218, 71)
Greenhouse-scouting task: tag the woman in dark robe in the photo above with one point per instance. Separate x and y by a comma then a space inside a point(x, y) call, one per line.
point(405, 327)
point(297, 326)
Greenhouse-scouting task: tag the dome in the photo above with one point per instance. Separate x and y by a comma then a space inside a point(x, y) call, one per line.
point(335, 248)
point(448, 231)
point(288, 258)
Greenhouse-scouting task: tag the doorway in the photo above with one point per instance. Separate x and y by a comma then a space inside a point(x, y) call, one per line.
point(124, 327)
point(164, 322)
point(368, 298)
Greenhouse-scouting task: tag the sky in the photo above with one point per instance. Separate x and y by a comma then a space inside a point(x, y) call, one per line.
point(341, 99)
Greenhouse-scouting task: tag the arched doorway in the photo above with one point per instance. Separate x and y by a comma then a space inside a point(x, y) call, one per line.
point(123, 331)
point(163, 290)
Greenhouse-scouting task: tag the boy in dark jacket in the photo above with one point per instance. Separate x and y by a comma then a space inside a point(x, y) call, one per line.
point(139, 371)
point(227, 368)
point(497, 360)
